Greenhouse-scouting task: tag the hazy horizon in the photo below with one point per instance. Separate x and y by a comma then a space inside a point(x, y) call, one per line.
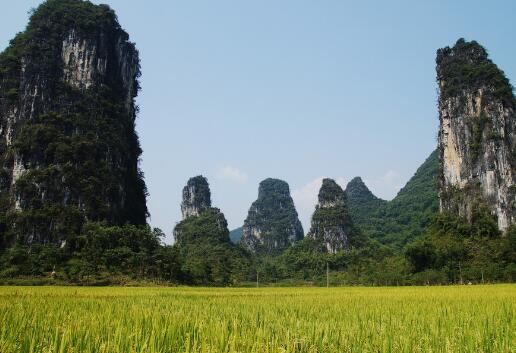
point(296, 90)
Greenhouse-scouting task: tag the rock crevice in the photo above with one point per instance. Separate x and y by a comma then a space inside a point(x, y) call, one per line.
point(477, 134)
point(196, 197)
point(201, 222)
point(68, 147)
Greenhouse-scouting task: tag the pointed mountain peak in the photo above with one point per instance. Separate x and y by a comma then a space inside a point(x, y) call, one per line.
point(331, 194)
point(357, 189)
point(196, 197)
point(272, 223)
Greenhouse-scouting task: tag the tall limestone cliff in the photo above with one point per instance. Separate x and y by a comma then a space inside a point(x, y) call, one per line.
point(205, 251)
point(272, 223)
point(200, 220)
point(477, 134)
point(68, 146)
point(196, 197)
point(331, 223)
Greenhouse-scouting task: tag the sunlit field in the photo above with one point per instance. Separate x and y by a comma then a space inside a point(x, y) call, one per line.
point(407, 319)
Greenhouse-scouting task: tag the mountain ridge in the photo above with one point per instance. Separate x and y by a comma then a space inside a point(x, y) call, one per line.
point(401, 220)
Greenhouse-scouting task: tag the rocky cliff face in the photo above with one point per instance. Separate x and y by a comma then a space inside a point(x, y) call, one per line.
point(202, 242)
point(196, 197)
point(331, 222)
point(200, 220)
point(272, 223)
point(68, 147)
point(477, 134)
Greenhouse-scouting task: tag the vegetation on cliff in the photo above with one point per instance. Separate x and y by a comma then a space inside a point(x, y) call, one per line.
point(205, 252)
point(477, 134)
point(68, 153)
point(403, 219)
point(196, 197)
point(202, 241)
point(331, 222)
point(73, 199)
point(272, 223)
point(466, 67)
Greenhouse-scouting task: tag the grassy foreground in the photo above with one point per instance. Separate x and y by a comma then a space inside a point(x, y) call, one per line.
point(407, 319)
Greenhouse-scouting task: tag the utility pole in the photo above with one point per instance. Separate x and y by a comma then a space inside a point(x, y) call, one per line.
point(327, 275)
point(482, 271)
point(460, 274)
point(257, 283)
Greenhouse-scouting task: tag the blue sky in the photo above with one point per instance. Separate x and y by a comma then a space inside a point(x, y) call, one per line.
point(299, 90)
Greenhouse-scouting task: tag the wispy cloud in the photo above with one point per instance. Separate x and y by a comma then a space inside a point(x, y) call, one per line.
point(387, 185)
point(232, 174)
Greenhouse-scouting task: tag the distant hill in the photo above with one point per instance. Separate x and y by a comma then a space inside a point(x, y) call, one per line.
point(403, 219)
point(272, 223)
point(236, 234)
point(362, 203)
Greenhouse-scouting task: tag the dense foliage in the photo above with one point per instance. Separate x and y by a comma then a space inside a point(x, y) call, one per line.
point(274, 216)
point(77, 148)
point(457, 251)
point(405, 218)
point(75, 212)
point(362, 203)
point(447, 250)
point(466, 67)
point(331, 193)
point(205, 252)
point(100, 254)
point(307, 262)
point(331, 222)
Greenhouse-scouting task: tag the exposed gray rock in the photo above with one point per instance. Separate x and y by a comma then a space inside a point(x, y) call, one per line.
point(200, 220)
point(331, 222)
point(68, 146)
point(272, 223)
point(477, 141)
point(196, 197)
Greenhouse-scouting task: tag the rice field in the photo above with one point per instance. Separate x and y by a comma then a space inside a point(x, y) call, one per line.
point(357, 319)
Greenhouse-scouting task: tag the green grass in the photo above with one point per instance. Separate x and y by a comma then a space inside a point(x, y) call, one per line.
point(117, 319)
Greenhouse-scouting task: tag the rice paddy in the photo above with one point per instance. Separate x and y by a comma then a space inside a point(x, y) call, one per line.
point(356, 319)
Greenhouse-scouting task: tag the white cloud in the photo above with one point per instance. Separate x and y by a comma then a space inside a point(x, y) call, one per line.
point(232, 174)
point(387, 185)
